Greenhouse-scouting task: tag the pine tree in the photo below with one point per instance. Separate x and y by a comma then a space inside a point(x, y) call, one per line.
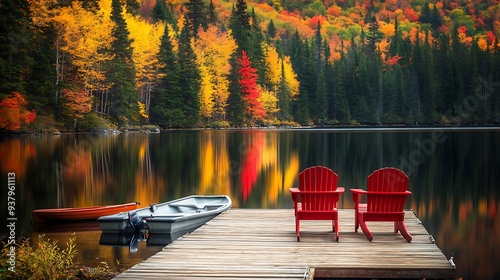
point(167, 102)
point(239, 23)
point(212, 16)
point(42, 76)
point(161, 12)
point(271, 29)
point(256, 52)
point(132, 7)
point(235, 103)
point(121, 71)
point(196, 16)
point(318, 49)
point(319, 101)
point(14, 45)
point(374, 35)
point(189, 78)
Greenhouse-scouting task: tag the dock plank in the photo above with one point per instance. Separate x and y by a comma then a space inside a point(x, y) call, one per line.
point(261, 244)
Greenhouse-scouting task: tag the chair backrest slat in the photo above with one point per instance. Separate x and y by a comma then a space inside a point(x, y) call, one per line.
point(318, 179)
point(387, 180)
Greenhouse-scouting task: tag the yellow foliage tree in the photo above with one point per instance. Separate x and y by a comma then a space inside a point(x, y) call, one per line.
point(213, 49)
point(83, 35)
point(280, 77)
point(145, 39)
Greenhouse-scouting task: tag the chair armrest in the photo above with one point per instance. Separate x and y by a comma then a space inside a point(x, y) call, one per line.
point(295, 194)
point(388, 193)
point(322, 192)
point(356, 194)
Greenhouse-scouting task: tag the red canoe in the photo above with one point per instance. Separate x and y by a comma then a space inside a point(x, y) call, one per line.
point(80, 213)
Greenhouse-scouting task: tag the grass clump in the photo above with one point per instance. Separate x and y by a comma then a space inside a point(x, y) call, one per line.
point(46, 260)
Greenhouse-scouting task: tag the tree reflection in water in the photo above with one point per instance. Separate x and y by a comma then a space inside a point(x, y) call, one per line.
point(453, 178)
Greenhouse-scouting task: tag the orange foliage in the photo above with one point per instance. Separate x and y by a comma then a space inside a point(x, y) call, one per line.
point(391, 61)
point(313, 23)
point(78, 103)
point(334, 11)
point(411, 15)
point(13, 112)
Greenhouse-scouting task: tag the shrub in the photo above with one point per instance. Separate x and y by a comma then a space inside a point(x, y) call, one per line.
point(47, 260)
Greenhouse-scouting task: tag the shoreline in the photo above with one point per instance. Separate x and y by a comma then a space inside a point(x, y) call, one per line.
point(338, 128)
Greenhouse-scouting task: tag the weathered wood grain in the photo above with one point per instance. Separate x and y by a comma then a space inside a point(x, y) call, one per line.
point(261, 244)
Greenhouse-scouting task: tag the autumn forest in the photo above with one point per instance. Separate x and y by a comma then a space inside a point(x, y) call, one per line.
point(84, 65)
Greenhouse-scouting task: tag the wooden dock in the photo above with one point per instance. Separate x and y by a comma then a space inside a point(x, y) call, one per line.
point(261, 244)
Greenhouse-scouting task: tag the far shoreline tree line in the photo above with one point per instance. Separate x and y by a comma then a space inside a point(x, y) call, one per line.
point(74, 63)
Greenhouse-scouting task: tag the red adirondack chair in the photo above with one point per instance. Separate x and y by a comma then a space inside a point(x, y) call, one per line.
point(317, 197)
point(385, 198)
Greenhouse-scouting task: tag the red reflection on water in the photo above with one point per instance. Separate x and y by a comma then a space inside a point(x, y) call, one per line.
point(250, 166)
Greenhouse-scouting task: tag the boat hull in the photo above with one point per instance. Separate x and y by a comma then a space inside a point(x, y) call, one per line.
point(179, 215)
point(117, 223)
point(171, 225)
point(80, 213)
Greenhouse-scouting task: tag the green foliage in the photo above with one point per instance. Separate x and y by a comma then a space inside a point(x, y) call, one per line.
point(92, 122)
point(14, 43)
point(350, 69)
point(196, 16)
point(189, 80)
point(121, 70)
point(315, 8)
point(46, 261)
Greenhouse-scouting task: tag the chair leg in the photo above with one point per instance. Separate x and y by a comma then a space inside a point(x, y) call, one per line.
point(356, 222)
point(396, 228)
point(365, 230)
point(297, 228)
point(336, 222)
point(404, 232)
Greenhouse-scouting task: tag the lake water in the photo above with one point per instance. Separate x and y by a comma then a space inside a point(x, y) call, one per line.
point(454, 176)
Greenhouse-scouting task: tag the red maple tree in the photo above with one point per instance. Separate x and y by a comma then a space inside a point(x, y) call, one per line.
point(13, 112)
point(249, 88)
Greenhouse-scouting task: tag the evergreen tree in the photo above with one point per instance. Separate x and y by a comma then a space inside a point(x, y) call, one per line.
point(239, 23)
point(42, 75)
point(189, 78)
point(318, 103)
point(271, 29)
point(196, 16)
point(161, 12)
point(374, 35)
point(121, 71)
point(284, 95)
point(396, 41)
point(167, 101)
point(133, 7)
point(400, 92)
point(338, 106)
point(212, 16)
point(298, 57)
point(443, 73)
point(256, 52)
point(235, 103)
point(318, 49)
point(14, 45)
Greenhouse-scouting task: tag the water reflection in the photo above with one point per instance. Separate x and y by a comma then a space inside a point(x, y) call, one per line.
point(453, 177)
